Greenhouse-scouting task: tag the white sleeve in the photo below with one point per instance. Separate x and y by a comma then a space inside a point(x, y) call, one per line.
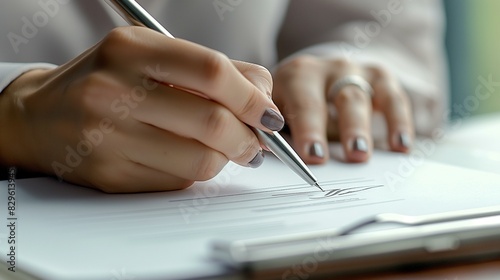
point(403, 36)
point(10, 71)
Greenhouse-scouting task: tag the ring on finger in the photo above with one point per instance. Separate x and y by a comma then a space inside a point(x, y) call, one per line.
point(350, 80)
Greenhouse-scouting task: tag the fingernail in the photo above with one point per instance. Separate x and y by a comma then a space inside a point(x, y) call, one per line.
point(257, 160)
point(359, 144)
point(404, 140)
point(316, 150)
point(272, 120)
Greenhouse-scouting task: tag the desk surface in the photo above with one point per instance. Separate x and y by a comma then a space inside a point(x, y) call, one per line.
point(488, 270)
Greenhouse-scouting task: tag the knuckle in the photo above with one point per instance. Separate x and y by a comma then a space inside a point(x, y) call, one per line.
point(251, 103)
point(217, 122)
point(303, 62)
point(264, 72)
point(116, 35)
point(299, 64)
point(342, 63)
point(379, 72)
point(112, 42)
point(117, 44)
point(208, 165)
point(247, 150)
point(214, 68)
point(264, 77)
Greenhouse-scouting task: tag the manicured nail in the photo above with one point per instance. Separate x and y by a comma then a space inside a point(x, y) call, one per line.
point(316, 150)
point(257, 160)
point(359, 144)
point(272, 120)
point(404, 140)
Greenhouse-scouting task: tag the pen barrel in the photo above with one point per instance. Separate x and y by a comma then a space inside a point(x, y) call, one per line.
point(135, 15)
point(282, 150)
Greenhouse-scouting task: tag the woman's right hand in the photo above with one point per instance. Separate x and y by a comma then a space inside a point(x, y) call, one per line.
point(138, 112)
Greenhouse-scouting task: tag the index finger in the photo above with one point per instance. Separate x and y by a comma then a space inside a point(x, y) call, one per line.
point(196, 68)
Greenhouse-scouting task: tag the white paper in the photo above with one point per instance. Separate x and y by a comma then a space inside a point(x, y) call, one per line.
point(70, 232)
point(471, 143)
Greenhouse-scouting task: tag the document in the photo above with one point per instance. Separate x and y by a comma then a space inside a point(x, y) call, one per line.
point(472, 144)
point(70, 232)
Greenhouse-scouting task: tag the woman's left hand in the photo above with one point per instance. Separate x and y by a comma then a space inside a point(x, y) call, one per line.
point(304, 88)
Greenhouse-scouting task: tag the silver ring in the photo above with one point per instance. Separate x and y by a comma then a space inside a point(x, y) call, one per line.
point(351, 80)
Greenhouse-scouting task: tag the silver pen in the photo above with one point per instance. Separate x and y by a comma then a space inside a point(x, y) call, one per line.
point(136, 15)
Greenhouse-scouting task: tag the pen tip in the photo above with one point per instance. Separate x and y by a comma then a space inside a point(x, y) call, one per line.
point(317, 185)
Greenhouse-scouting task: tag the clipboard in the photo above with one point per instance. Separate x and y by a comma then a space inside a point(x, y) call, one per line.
point(439, 239)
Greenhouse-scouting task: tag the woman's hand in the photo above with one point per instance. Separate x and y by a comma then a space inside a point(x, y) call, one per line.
point(138, 112)
point(306, 86)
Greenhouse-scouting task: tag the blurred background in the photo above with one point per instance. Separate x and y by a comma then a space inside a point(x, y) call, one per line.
point(473, 42)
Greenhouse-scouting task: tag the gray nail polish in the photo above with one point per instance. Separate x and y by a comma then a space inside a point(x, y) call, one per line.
point(272, 120)
point(257, 160)
point(404, 140)
point(359, 144)
point(316, 150)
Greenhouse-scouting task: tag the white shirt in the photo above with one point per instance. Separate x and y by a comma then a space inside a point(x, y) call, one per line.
point(402, 35)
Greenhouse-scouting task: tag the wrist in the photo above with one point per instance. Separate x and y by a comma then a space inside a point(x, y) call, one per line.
point(16, 141)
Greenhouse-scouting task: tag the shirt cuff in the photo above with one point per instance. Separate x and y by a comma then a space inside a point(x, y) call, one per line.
point(10, 71)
